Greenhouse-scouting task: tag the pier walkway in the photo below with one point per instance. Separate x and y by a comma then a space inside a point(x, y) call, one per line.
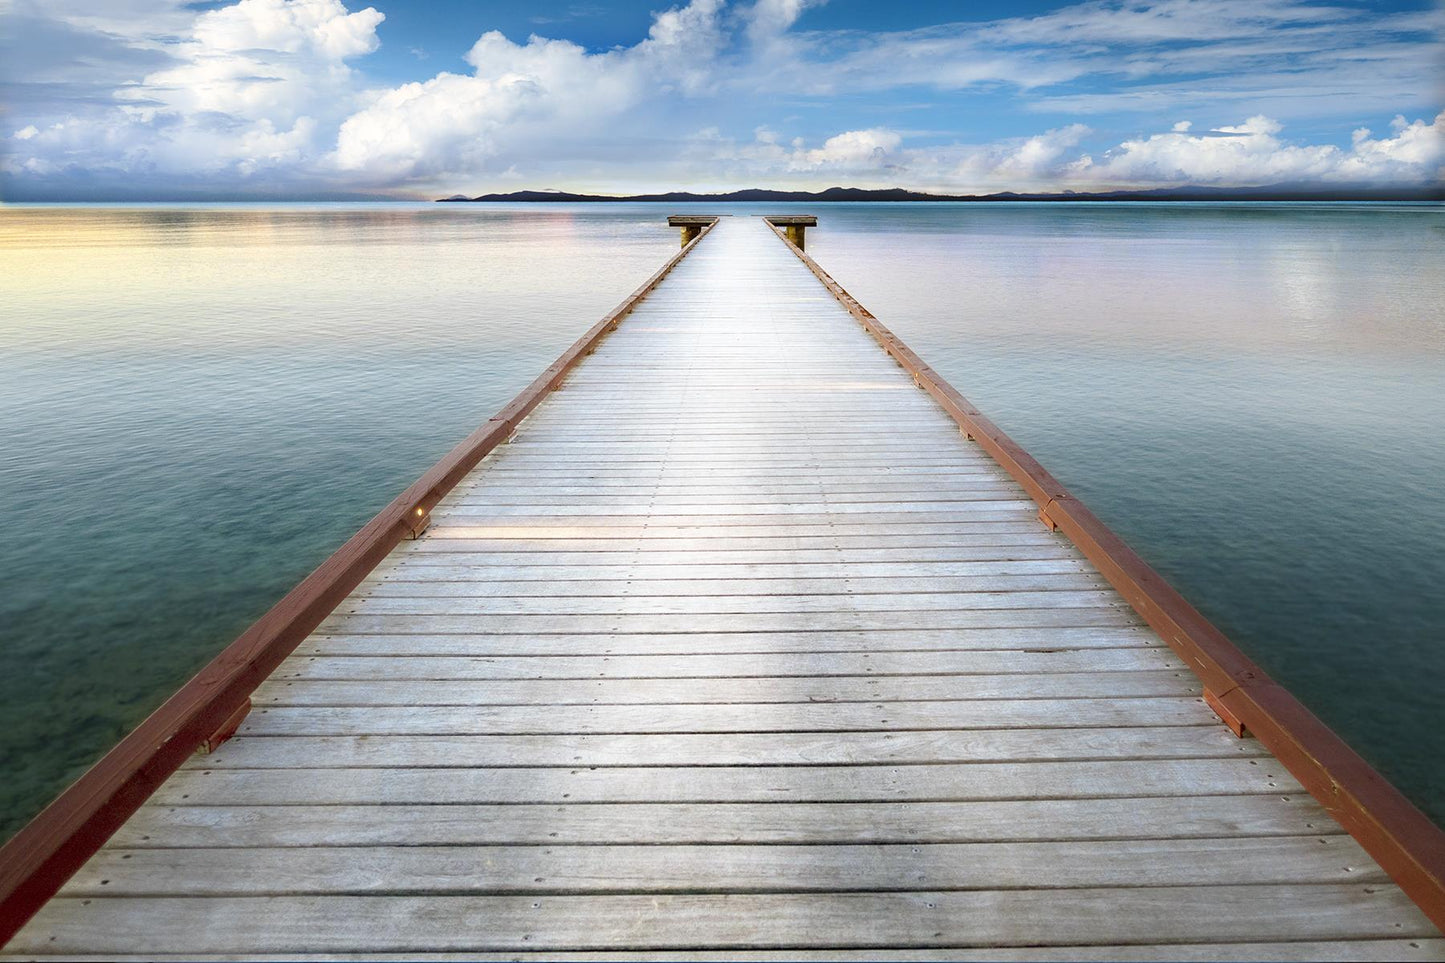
point(738, 648)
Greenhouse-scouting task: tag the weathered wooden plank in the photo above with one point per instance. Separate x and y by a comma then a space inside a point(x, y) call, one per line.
point(603, 642)
point(502, 474)
point(909, 535)
point(570, 417)
point(489, 502)
point(815, 394)
point(752, 438)
point(975, 542)
point(662, 473)
point(509, 479)
point(485, 569)
point(679, 457)
point(522, 555)
point(782, 584)
point(703, 490)
point(851, 487)
point(988, 918)
point(876, 783)
point(721, 501)
point(772, 822)
point(809, 383)
point(749, 439)
point(499, 870)
point(918, 426)
point(898, 522)
point(1344, 951)
point(725, 604)
point(758, 622)
point(498, 468)
point(678, 512)
point(709, 717)
point(888, 688)
point(771, 667)
point(571, 413)
point(900, 532)
point(731, 749)
point(696, 462)
point(684, 448)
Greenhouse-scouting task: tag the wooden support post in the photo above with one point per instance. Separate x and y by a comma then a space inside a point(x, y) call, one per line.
point(691, 224)
point(794, 226)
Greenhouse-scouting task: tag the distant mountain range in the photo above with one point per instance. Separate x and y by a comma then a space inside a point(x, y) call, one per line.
point(853, 194)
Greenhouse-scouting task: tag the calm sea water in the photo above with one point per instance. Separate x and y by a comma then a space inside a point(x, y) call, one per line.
point(199, 403)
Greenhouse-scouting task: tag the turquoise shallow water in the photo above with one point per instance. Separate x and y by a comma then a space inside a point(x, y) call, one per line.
point(198, 404)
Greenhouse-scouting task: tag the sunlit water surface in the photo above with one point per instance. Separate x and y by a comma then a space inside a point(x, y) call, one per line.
point(199, 404)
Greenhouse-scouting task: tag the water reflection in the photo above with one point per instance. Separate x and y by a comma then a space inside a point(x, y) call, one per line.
point(1160, 277)
point(197, 405)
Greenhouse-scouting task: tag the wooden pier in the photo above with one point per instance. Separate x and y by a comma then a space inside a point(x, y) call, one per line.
point(727, 641)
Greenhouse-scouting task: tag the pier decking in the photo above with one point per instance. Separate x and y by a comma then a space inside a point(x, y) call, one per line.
point(738, 647)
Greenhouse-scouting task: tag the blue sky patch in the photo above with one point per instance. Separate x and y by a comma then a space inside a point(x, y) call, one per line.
point(318, 97)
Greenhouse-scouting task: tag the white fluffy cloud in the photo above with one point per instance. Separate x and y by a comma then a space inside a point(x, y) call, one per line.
point(1028, 163)
point(272, 92)
point(869, 156)
point(1250, 153)
point(850, 150)
point(1258, 124)
point(540, 95)
point(257, 85)
point(263, 71)
point(323, 27)
point(1245, 154)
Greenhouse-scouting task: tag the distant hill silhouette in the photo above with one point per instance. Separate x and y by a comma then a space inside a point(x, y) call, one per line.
point(1280, 192)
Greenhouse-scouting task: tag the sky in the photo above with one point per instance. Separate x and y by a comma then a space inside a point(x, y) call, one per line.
point(166, 99)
